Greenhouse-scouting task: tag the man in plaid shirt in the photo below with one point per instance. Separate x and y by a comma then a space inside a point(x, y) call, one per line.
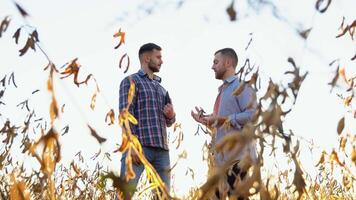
point(151, 106)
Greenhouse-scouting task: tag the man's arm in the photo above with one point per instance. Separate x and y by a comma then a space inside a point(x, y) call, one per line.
point(247, 103)
point(123, 95)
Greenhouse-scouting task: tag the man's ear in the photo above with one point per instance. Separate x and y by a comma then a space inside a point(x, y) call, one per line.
point(147, 57)
point(227, 62)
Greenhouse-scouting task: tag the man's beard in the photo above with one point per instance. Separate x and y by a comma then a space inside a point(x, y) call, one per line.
point(153, 67)
point(219, 75)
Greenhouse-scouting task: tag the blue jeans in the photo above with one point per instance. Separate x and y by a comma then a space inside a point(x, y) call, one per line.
point(159, 159)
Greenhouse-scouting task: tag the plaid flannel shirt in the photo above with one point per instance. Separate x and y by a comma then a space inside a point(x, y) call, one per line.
point(147, 107)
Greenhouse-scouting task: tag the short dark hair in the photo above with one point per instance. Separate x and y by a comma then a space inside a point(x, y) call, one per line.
point(147, 48)
point(229, 52)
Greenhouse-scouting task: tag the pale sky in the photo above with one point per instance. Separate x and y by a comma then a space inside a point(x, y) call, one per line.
point(189, 36)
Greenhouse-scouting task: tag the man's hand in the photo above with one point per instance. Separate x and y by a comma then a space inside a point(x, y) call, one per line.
point(199, 115)
point(168, 111)
point(207, 120)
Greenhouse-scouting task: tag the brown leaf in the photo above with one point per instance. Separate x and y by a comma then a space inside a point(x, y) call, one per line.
point(304, 34)
point(4, 25)
point(12, 78)
point(29, 44)
point(21, 10)
point(17, 35)
point(319, 4)
point(95, 135)
point(349, 28)
point(231, 11)
point(73, 69)
point(128, 62)
point(353, 58)
point(341, 125)
point(65, 130)
point(34, 36)
point(110, 115)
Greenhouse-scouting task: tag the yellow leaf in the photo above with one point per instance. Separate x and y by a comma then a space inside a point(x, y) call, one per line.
point(132, 119)
point(93, 100)
point(322, 159)
point(53, 110)
point(353, 155)
point(131, 92)
point(124, 144)
point(49, 155)
point(110, 115)
point(121, 35)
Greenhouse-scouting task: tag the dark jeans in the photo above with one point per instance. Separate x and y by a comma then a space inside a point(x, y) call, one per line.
point(231, 178)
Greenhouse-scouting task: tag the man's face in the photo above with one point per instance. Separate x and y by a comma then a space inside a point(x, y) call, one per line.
point(155, 60)
point(219, 66)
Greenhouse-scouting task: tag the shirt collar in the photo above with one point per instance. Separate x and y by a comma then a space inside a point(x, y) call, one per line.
point(155, 77)
point(230, 79)
point(227, 82)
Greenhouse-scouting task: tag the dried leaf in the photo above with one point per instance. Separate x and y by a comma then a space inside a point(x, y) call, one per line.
point(92, 102)
point(342, 74)
point(131, 92)
point(12, 78)
point(110, 115)
point(354, 57)
point(122, 38)
point(128, 62)
point(21, 10)
point(347, 100)
point(4, 25)
point(95, 135)
point(18, 190)
point(304, 34)
point(231, 11)
point(124, 144)
point(322, 159)
point(342, 145)
point(53, 109)
point(349, 28)
point(239, 89)
point(353, 155)
point(17, 35)
point(335, 157)
point(73, 69)
point(34, 36)
point(65, 130)
point(29, 44)
point(319, 4)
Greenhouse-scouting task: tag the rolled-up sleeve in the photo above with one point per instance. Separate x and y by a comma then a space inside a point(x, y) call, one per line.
point(247, 105)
